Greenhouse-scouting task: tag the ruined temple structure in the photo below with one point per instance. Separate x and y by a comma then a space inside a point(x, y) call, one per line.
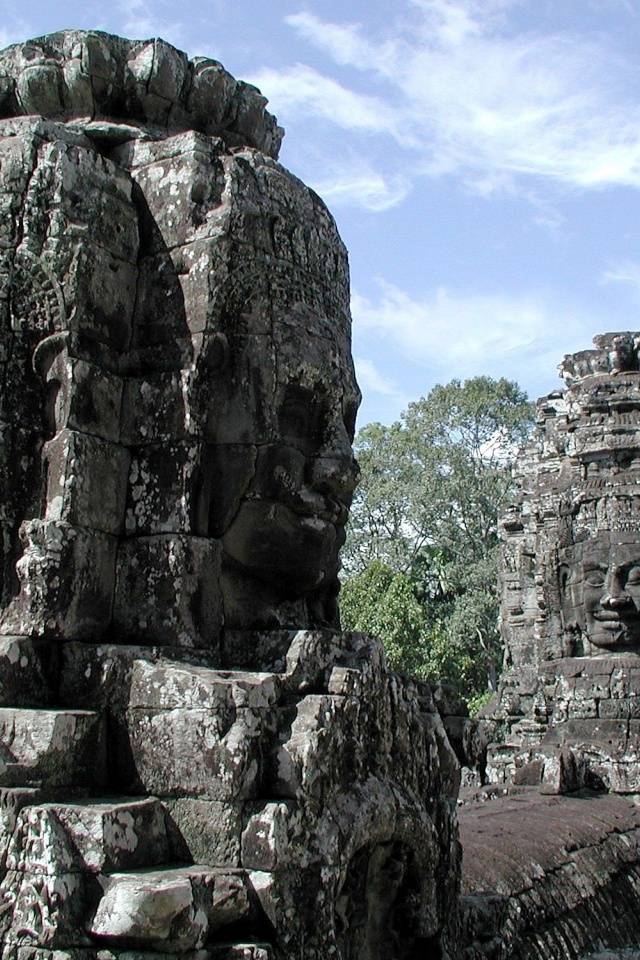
point(570, 576)
point(195, 761)
point(550, 865)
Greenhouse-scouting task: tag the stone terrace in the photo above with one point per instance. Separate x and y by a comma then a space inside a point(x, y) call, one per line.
point(548, 876)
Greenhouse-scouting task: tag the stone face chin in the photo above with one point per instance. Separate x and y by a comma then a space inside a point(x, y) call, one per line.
point(194, 760)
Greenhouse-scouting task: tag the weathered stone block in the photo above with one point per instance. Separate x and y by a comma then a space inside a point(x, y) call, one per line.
point(190, 169)
point(203, 268)
point(87, 399)
point(27, 671)
point(88, 194)
point(51, 747)
point(330, 723)
point(167, 591)
point(67, 577)
point(41, 845)
point(45, 911)
point(156, 408)
point(309, 896)
point(86, 481)
point(189, 752)
point(171, 910)
point(168, 686)
point(12, 801)
point(282, 835)
point(159, 314)
point(116, 835)
point(99, 675)
point(100, 285)
point(163, 488)
point(205, 831)
point(582, 709)
point(563, 772)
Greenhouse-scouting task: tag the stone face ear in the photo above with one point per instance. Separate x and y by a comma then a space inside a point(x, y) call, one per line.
point(46, 353)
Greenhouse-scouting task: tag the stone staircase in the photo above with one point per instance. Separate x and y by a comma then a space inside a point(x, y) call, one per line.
point(166, 808)
point(118, 868)
point(105, 866)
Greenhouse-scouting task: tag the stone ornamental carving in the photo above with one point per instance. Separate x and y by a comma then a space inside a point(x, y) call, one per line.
point(570, 576)
point(569, 555)
point(194, 760)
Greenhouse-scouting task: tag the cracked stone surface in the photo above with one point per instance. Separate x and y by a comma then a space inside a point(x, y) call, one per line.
point(195, 762)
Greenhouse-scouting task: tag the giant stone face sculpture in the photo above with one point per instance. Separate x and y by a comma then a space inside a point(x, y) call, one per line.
point(194, 761)
point(570, 577)
point(200, 307)
point(571, 542)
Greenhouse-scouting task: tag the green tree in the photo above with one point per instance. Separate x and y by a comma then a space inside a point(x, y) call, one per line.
point(427, 506)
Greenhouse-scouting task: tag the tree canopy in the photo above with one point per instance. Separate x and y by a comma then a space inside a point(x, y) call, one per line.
point(421, 553)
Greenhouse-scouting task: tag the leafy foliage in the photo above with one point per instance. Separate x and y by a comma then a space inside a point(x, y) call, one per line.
point(421, 554)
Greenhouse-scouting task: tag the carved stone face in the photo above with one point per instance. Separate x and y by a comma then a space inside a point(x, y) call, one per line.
point(608, 578)
point(289, 524)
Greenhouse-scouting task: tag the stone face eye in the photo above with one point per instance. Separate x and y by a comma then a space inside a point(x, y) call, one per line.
point(595, 578)
point(633, 577)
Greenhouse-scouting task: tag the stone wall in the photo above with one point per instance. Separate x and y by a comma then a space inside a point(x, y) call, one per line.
point(548, 878)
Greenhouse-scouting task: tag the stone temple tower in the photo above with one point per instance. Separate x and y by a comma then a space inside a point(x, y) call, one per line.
point(570, 579)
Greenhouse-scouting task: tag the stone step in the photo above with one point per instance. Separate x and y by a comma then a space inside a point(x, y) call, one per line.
point(51, 748)
point(112, 834)
point(217, 951)
point(197, 731)
point(172, 909)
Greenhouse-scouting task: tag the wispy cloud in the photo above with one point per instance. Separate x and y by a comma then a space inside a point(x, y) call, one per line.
point(361, 184)
point(302, 89)
point(370, 378)
point(142, 19)
point(466, 95)
point(627, 273)
point(453, 334)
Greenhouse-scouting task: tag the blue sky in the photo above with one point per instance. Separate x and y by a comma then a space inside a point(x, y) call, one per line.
point(481, 157)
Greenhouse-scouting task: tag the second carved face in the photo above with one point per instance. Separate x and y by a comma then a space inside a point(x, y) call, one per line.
point(604, 590)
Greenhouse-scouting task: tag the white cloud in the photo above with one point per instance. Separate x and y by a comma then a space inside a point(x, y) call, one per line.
point(345, 43)
point(371, 380)
point(470, 96)
point(302, 89)
point(453, 334)
point(361, 184)
point(141, 21)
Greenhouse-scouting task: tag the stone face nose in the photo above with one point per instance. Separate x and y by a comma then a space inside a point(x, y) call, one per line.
point(333, 475)
point(616, 597)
